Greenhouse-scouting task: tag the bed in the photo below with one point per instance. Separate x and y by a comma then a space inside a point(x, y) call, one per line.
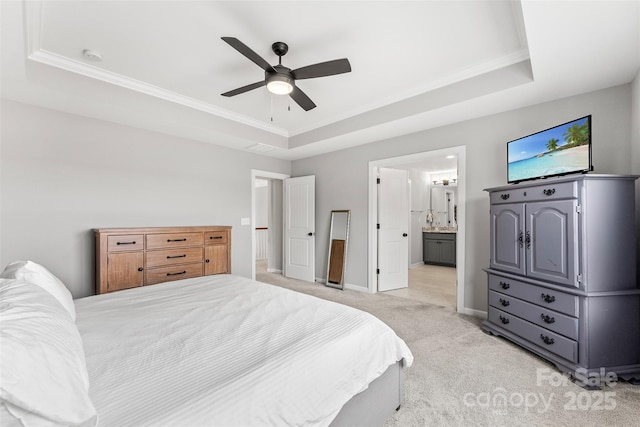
point(219, 350)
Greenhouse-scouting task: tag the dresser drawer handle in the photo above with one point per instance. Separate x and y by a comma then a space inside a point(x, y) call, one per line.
point(548, 298)
point(126, 243)
point(504, 196)
point(504, 302)
point(504, 320)
point(505, 285)
point(176, 274)
point(140, 269)
point(215, 237)
point(547, 318)
point(177, 240)
point(549, 191)
point(546, 339)
point(176, 256)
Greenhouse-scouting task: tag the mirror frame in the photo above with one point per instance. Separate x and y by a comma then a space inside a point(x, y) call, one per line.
point(333, 284)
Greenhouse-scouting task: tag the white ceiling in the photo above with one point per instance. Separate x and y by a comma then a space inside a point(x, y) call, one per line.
point(416, 64)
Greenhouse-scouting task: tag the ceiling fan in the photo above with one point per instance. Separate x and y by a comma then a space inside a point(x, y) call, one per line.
point(281, 80)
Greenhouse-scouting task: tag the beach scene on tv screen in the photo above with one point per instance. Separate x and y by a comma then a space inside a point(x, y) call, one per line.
point(559, 150)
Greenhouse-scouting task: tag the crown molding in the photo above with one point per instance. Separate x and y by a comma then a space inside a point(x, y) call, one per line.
point(33, 11)
point(494, 64)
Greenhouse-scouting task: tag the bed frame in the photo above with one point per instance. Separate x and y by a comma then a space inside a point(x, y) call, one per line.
point(377, 403)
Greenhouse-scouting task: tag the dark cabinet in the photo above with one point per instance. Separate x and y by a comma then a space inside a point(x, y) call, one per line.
point(439, 248)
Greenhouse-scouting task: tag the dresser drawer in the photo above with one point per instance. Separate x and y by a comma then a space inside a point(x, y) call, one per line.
point(544, 297)
point(216, 238)
point(550, 191)
point(556, 322)
point(165, 274)
point(127, 242)
point(173, 256)
point(173, 240)
point(541, 337)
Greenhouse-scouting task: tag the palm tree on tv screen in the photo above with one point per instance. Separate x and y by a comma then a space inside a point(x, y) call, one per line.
point(552, 144)
point(577, 135)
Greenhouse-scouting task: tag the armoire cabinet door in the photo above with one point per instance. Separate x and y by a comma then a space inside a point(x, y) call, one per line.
point(507, 238)
point(552, 230)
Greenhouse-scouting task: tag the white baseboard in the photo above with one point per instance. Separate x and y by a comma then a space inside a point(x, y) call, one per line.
point(475, 313)
point(274, 270)
point(416, 265)
point(348, 286)
point(351, 287)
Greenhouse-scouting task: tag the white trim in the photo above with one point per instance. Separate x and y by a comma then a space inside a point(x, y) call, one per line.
point(274, 270)
point(35, 52)
point(460, 151)
point(351, 287)
point(258, 174)
point(475, 313)
point(459, 76)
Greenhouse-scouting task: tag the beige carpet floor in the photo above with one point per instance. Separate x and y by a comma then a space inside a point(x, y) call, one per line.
point(464, 377)
point(434, 284)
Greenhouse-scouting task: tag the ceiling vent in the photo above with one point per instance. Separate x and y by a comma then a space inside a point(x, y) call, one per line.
point(261, 148)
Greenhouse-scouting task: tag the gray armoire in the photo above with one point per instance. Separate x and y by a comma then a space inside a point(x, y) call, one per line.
point(562, 276)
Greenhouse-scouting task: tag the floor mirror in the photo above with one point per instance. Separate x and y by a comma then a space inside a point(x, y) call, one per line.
point(338, 241)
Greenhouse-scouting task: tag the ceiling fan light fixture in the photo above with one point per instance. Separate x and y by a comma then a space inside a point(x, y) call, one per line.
point(279, 84)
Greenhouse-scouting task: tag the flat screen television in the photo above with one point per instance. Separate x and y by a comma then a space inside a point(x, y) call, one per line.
point(560, 150)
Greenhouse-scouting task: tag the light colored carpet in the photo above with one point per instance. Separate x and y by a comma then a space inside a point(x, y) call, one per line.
point(434, 284)
point(464, 377)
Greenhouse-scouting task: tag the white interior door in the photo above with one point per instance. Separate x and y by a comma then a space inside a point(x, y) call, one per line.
point(299, 228)
point(393, 219)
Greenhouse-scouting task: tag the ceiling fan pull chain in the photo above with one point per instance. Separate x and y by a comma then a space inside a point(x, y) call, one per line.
point(271, 98)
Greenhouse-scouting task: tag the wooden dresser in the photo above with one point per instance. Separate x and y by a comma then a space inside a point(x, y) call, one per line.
point(131, 257)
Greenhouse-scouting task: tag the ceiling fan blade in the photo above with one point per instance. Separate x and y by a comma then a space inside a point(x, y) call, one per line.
point(329, 68)
point(244, 89)
point(302, 99)
point(246, 51)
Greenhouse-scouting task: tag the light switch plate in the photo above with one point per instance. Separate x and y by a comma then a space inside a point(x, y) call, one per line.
point(245, 221)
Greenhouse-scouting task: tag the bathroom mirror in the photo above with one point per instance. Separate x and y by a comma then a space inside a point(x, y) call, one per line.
point(338, 240)
point(444, 206)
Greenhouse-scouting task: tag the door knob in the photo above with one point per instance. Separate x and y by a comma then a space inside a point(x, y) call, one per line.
point(404, 234)
point(310, 234)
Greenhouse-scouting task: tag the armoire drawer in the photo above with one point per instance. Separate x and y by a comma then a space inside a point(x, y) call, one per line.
point(544, 297)
point(551, 191)
point(173, 256)
point(541, 337)
point(554, 321)
point(173, 240)
point(165, 274)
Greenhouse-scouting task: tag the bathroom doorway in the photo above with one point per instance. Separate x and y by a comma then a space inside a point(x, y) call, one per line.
point(439, 281)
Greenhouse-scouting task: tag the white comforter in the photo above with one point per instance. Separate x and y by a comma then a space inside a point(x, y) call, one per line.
point(227, 351)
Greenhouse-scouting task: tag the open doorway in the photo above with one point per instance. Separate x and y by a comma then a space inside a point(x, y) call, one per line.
point(439, 211)
point(267, 222)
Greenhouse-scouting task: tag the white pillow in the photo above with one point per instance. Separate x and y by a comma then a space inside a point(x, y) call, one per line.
point(43, 374)
point(38, 275)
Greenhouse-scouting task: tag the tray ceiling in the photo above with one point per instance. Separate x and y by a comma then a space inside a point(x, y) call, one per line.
point(415, 64)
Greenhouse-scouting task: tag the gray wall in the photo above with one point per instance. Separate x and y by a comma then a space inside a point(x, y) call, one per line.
point(62, 175)
point(485, 140)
